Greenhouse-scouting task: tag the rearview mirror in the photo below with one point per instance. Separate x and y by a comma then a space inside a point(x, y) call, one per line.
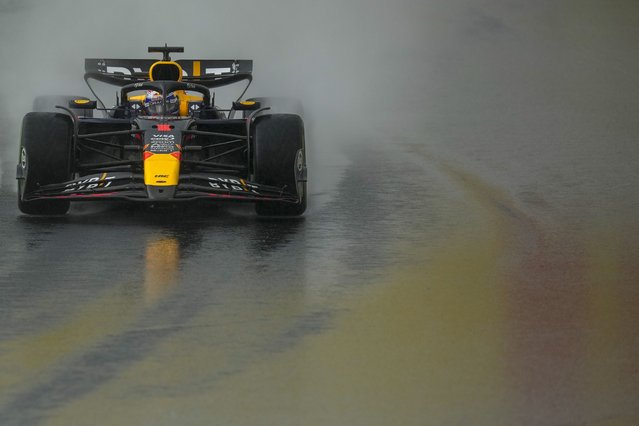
point(82, 104)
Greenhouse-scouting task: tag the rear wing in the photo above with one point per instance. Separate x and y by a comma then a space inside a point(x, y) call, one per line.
point(191, 67)
point(208, 72)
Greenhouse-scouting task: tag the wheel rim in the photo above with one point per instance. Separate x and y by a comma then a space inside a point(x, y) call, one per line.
point(299, 168)
point(24, 165)
point(23, 159)
point(299, 161)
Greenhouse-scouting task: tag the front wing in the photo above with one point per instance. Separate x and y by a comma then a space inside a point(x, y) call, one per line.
point(131, 187)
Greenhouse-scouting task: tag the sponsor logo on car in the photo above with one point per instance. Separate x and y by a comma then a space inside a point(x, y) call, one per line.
point(234, 185)
point(94, 182)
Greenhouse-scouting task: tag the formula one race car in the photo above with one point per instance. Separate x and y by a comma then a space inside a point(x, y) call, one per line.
point(164, 141)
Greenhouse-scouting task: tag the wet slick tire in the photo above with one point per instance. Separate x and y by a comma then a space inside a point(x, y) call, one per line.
point(44, 158)
point(280, 160)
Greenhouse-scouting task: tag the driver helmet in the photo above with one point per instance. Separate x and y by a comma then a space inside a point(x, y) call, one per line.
point(153, 103)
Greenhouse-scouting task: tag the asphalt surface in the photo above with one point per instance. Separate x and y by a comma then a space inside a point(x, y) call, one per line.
point(468, 257)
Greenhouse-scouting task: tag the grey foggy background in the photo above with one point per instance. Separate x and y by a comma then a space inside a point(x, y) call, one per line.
point(492, 145)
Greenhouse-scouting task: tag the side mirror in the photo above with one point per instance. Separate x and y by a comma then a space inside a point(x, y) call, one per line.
point(246, 106)
point(82, 104)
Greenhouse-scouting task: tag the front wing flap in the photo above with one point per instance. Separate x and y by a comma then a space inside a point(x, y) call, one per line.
point(131, 187)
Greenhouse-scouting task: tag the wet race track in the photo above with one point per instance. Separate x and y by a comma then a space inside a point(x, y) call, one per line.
point(469, 256)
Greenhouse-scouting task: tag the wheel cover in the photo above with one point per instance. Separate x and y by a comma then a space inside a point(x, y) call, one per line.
point(24, 165)
point(299, 161)
point(299, 169)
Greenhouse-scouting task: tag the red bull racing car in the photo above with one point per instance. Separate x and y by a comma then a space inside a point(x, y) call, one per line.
point(164, 141)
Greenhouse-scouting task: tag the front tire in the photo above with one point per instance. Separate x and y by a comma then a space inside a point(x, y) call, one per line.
point(280, 160)
point(44, 158)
